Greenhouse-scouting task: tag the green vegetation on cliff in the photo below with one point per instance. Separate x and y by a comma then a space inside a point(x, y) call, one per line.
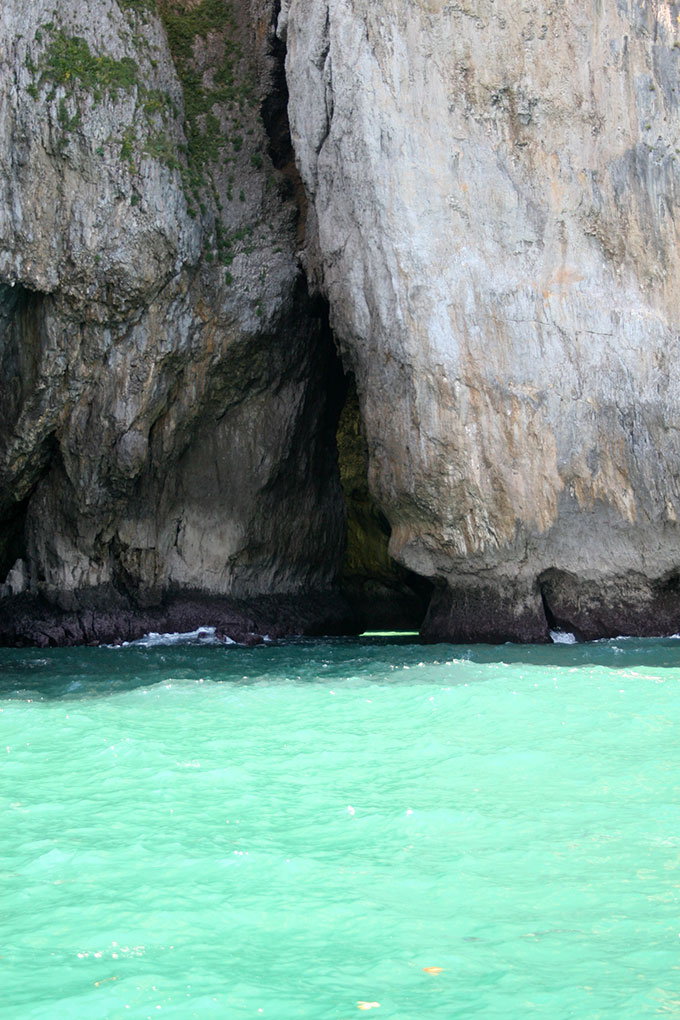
point(68, 61)
point(213, 95)
point(215, 71)
point(141, 7)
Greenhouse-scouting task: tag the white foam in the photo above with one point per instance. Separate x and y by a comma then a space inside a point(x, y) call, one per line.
point(201, 636)
point(562, 637)
point(633, 637)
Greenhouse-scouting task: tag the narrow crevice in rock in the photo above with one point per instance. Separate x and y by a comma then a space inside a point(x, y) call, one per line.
point(386, 595)
point(549, 615)
point(274, 109)
point(274, 113)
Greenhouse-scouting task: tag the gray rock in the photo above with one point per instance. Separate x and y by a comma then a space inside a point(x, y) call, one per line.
point(490, 213)
point(493, 194)
point(16, 582)
point(165, 418)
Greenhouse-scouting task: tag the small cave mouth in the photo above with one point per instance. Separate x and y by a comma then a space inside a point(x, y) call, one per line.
point(558, 612)
point(13, 538)
point(385, 595)
point(22, 338)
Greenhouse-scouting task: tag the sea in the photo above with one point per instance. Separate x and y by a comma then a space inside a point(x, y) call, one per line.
point(320, 829)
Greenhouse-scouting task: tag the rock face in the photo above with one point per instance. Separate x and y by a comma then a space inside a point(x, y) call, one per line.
point(486, 200)
point(168, 393)
point(493, 191)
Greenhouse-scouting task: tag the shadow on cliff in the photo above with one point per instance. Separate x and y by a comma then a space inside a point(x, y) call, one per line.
point(385, 595)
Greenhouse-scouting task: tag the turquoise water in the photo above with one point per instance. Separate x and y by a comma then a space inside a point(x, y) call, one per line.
point(308, 830)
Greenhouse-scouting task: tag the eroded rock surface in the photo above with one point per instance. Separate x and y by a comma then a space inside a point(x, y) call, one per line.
point(489, 207)
point(493, 192)
point(167, 394)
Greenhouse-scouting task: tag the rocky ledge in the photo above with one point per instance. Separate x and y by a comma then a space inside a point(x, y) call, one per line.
point(103, 617)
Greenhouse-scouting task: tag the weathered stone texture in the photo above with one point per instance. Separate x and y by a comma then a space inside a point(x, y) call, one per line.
point(490, 210)
point(167, 406)
point(493, 193)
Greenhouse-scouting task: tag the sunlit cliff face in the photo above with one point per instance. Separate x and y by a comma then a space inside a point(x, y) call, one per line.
point(493, 195)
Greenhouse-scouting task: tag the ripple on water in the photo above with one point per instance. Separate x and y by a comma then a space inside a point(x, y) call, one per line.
point(321, 828)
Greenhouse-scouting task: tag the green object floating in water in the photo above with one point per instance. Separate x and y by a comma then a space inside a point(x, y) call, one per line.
point(390, 633)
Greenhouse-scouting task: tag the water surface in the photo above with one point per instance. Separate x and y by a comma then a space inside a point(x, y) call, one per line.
point(310, 829)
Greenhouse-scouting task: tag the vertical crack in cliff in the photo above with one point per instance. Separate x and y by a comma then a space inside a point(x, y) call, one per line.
point(383, 594)
point(274, 109)
point(274, 113)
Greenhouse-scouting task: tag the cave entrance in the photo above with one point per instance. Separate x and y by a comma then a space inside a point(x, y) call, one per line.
point(385, 595)
point(21, 342)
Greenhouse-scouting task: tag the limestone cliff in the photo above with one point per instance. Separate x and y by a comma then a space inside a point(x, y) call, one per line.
point(493, 191)
point(483, 193)
point(168, 401)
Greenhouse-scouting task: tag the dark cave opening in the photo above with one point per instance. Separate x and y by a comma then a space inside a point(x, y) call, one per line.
point(385, 595)
point(21, 341)
point(12, 537)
